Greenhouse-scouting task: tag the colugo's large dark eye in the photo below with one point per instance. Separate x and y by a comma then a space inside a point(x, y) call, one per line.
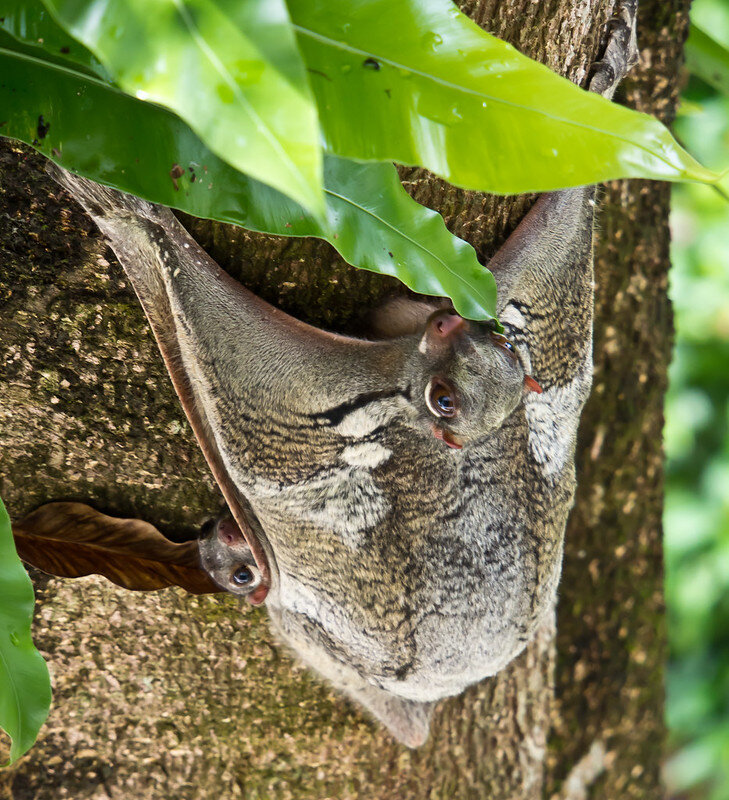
point(441, 398)
point(503, 343)
point(243, 576)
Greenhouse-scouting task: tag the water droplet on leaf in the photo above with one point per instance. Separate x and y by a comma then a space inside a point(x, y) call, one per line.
point(432, 40)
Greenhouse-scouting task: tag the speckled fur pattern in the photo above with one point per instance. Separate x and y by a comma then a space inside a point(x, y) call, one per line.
point(401, 570)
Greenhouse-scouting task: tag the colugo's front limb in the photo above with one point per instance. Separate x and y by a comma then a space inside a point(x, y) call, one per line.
point(544, 271)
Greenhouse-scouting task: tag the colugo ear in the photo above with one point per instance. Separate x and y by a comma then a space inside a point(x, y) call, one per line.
point(407, 720)
point(400, 316)
point(70, 540)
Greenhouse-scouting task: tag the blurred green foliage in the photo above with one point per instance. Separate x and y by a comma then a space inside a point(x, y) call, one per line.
point(697, 447)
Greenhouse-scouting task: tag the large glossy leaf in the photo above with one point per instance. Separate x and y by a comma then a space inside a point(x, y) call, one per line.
point(230, 69)
point(708, 59)
point(370, 219)
point(71, 540)
point(25, 688)
point(418, 82)
point(30, 23)
point(402, 238)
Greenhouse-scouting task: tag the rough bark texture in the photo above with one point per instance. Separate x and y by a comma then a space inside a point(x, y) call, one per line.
point(164, 695)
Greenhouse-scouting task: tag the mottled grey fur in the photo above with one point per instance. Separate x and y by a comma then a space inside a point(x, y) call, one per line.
point(400, 569)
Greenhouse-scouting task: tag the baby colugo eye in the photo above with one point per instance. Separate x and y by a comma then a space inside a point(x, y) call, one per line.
point(441, 399)
point(243, 576)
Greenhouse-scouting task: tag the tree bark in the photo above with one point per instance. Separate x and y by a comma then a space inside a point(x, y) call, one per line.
point(165, 695)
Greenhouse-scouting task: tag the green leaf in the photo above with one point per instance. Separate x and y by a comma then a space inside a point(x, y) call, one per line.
point(37, 34)
point(381, 228)
point(230, 69)
point(31, 25)
point(708, 59)
point(25, 687)
point(416, 81)
point(370, 219)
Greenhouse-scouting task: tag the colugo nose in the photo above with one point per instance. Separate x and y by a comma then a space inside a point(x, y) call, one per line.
point(229, 532)
point(447, 323)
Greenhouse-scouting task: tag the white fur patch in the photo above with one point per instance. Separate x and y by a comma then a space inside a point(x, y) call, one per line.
point(362, 421)
point(366, 454)
point(553, 417)
point(357, 423)
point(512, 316)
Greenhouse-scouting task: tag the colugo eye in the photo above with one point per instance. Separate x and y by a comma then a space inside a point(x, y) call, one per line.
point(243, 576)
point(501, 341)
point(441, 398)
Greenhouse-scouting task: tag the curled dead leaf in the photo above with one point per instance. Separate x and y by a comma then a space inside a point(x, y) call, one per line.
point(70, 540)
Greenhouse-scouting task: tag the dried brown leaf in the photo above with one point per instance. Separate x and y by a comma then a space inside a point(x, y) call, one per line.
point(70, 540)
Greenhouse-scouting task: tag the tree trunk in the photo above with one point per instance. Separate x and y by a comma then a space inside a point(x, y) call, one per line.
point(164, 695)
